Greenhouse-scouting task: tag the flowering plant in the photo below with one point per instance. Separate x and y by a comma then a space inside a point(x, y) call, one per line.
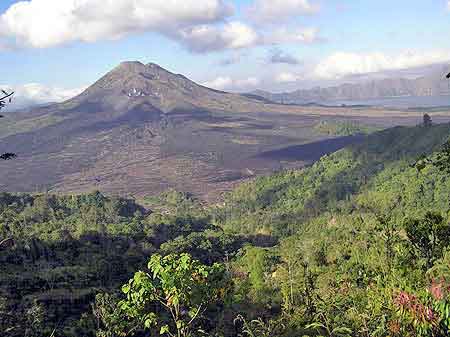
point(426, 313)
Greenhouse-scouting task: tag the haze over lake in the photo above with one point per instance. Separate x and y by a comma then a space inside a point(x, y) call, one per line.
point(399, 102)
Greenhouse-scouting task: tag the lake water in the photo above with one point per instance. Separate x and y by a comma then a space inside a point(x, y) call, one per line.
point(400, 102)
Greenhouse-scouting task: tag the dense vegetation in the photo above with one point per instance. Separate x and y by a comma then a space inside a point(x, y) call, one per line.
point(343, 128)
point(355, 245)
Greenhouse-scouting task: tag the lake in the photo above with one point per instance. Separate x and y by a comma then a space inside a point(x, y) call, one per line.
point(399, 102)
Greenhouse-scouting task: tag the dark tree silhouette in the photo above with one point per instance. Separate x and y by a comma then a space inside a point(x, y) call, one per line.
point(5, 99)
point(7, 156)
point(6, 243)
point(427, 120)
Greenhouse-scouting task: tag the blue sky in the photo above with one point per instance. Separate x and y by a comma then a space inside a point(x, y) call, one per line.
point(235, 45)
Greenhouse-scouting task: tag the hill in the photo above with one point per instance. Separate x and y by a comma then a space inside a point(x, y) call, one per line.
point(361, 174)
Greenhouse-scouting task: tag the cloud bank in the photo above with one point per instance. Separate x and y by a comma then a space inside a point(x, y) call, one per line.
point(206, 38)
point(34, 94)
point(287, 77)
point(342, 64)
point(228, 83)
point(201, 26)
point(48, 23)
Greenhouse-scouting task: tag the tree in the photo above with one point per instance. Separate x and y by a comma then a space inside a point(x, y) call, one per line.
point(442, 160)
point(427, 120)
point(6, 98)
point(290, 271)
point(256, 261)
point(109, 322)
point(429, 236)
point(174, 294)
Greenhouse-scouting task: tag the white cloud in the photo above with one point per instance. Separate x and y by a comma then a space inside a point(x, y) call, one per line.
point(35, 93)
point(227, 83)
point(219, 83)
point(264, 11)
point(299, 35)
point(448, 5)
point(232, 35)
point(200, 25)
point(246, 83)
point(343, 64)
point(287, 77)
point(47, 23)
point(238, 35)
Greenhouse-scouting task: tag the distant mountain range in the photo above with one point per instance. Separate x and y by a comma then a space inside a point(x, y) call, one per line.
point(433, 84)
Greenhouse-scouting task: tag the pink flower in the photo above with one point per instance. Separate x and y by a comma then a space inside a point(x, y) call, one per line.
point(403, 299)
point(409, 302)
point(430, 315)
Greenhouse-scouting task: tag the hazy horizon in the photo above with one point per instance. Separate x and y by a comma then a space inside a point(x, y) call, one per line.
point(232, 45)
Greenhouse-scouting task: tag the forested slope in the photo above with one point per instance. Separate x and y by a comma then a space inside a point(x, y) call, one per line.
point(355, 245)
point(381, 168)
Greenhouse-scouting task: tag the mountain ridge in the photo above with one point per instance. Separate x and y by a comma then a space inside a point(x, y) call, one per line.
point(432, 84)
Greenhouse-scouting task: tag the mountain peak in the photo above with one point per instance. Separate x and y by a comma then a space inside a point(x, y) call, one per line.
point(129, 67)
point(131, 63)
point(135, 86)
point(154, 65)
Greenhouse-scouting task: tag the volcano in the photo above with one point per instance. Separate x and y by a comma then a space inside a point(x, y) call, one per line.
point(140, 130)
point(151, 91)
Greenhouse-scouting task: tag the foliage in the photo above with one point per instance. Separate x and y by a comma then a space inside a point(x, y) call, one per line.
point(174, 294)
point(380, 168)
point(109, 317)
point(354, 245)
point(258, 327)
point(343, 128)
point(429, 236)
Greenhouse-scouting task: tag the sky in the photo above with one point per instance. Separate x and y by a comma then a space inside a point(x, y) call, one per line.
point(51, 50)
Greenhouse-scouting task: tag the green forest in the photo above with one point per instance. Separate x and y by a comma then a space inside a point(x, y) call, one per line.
point(343, 128)
point(358, 244)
